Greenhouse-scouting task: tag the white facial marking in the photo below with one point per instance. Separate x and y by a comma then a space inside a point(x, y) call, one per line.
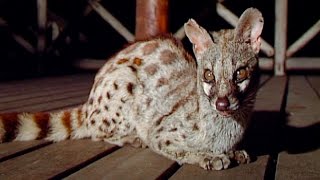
point(206, 88)
point(243, 85)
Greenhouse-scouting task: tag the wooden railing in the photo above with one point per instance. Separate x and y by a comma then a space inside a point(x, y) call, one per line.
point(152, 19)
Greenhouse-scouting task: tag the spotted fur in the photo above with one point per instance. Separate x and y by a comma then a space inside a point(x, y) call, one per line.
point(153, 93)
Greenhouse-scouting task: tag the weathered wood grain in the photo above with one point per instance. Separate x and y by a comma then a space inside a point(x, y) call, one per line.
point(270, 95)
point(44, 99)
point(105, 166)
point(18, 86)
point(298, 166)
point(13, 149)
point(300, 158)
point(53, 160)
point(127, 163)
point(315, 83)
point(252, 171)
point(46, 91)
point(303, 105)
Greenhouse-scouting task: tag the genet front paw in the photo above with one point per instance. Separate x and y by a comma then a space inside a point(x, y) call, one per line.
point(241, 157)
point(218, 162)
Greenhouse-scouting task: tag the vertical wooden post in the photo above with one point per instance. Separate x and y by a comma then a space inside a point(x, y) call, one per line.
point(42, 21)
point(151, 18)
point(280, 42)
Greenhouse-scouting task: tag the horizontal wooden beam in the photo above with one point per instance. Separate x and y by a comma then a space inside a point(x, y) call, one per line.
point(294, 63)
point(303, 63)
point(266, 63)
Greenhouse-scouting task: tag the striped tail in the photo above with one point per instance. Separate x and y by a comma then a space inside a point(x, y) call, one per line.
point(55, 126)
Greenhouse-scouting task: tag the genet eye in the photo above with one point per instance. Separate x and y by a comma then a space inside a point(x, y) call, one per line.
point(241, 75)
point(208, 75)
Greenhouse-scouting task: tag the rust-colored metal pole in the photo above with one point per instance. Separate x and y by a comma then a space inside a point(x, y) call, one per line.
point(151, 18)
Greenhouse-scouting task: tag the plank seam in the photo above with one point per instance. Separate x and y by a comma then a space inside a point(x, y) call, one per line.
point(272, 164)
point(78, 167)
point(169, 172)
point(25, 151)
point(312, 87)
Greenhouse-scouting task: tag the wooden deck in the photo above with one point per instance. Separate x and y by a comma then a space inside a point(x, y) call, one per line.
point(284, 137)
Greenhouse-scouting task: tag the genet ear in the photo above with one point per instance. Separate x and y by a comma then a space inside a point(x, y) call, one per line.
point(249, 28)
point(198, 36)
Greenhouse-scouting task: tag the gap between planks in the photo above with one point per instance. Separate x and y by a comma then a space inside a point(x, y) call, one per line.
point(63, 157)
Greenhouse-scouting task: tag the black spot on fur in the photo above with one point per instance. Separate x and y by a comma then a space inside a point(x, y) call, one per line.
point(173, 129)
point(108, 95)
point(195, 127)
point(113, 120)
point(160, 129)
point(133, 69)
point(91, 101)
point(106, 122)
point(115, 85)
point(130, 88)
point(99, 99)
point(168, 142)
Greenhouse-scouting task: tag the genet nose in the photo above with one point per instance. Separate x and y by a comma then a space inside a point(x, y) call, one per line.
point(222, 104)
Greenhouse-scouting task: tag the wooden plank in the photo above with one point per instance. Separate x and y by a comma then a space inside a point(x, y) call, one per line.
point(268, 103)
point(39, 83)
point(301, 156)
point(16, 148)
point(127, 162)
point(54, 160)
point(104, 166)
point(280, 39)
point(253, 170)
point(47, 91)
point(270, 96)
point(43, 99)
point(303, 103)
point(35, 88)
point(298, 166)
point(315, 83)
point(263, 79)
point(52, 105)
point(262, 135)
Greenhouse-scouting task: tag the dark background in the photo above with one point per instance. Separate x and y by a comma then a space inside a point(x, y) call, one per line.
point(102, 40)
